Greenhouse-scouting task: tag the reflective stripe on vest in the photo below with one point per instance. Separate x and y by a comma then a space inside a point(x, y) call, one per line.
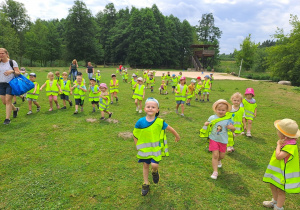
point(182, 95)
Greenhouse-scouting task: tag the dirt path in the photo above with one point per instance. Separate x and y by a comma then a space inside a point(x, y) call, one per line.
point(192, 74)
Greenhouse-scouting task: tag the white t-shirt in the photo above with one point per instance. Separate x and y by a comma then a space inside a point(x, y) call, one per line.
point(5, 67)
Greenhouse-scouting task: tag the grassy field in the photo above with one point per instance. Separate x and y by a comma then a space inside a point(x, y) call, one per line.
point(57, 160)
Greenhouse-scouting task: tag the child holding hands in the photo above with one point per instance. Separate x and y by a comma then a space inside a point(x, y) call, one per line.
point(150, 140)
point(218, 138)
point(250, 106)
point(283, 171)
point(104, 101)
point(33, 94)
point(79, 94)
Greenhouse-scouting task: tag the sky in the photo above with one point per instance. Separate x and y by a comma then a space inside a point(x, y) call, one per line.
point(235, 18)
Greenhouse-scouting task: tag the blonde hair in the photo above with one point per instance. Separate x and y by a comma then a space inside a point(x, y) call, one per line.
point(64, 73)
point(5, 51)
point(237, 95)
point(50, 73)
point(74, 61)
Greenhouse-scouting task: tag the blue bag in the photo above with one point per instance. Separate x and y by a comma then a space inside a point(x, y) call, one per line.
point(20, 85)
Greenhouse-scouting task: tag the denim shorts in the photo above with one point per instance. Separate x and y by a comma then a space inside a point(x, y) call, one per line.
point(148, 161)
point(5, 89)
point(180, 102)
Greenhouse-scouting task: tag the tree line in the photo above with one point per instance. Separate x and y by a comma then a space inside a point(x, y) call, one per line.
point(137, 37)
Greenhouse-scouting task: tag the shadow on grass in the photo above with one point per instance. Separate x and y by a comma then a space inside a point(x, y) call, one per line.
point(257, 140)
point(251, 163)
point(233, 183)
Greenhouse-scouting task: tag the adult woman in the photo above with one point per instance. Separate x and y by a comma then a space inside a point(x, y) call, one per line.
point(7, 73)
point(90, 70)
point(73, 69)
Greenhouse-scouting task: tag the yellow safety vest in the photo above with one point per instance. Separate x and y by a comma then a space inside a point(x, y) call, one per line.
point(138, 93)
point(53, 90)
point(174, 81)
point(104, 106)
point(98, 77)
point(151, 141)
point(94, 96)
point(151, 81)
point(181, 96)
point(249, 109)
point(285, 176)
point(198, 88)
point(179, 76)
point(126, 76)
point(78, 93)
point(133, 83)
point(206, 85)
point(37, 92)
point(114, 88)
point(163, 77)
point(65, 88)
point(190, 94)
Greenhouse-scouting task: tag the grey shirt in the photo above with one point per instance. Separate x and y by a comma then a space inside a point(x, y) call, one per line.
point(5, 67)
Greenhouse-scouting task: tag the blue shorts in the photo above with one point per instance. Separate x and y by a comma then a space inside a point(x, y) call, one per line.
point(148, 161)
point(5, 89)
point(180, 102)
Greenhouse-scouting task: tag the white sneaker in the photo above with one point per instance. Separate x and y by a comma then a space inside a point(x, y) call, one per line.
point(269, 204)
point(137, 109)
point(182, 114)
point(214, 175)
point(248, 134)
point(141, 111)
point(30, 112)
point(229, 149)
point(219, 164)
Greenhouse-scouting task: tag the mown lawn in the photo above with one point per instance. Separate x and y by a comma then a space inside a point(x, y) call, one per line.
point(59, 160)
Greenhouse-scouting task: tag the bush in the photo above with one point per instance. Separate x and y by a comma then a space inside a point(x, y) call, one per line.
point(265, 77)
point(257, 77)
point(275, 79)
point(249, 76)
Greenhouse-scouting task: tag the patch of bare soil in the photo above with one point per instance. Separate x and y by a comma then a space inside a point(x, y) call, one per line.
point(126, 135)
point(112, 120)
point(91, 120)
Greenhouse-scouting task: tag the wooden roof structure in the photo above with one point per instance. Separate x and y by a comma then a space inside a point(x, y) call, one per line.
point(203, 55)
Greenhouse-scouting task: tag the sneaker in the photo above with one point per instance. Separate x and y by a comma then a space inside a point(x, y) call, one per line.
point(229, 149)
point(182, 115)
point(6, 121)
point(117, 99)
point(269, 204)
point(137, 109)
point(141, 111)
point(176, 111)
point(196, 99)
point(70, 102)
point(76, 112)
point(248, 134)
point(50, 110)
point(102, 118)
point(219, 164)
point(214, 175)
point(58, 107)
point(232, 149)
point(15, 103)
point(38, 109)
point(145, 189)
point(242, 133)
point(81, 109)
point(30, 112)
point(155, 176)
point(110, 114)
point(64, 107)
point(278, 208)
point(111, 102)
point(15, 113)
point(207, 99)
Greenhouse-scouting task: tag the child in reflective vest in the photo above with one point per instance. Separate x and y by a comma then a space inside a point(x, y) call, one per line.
point(65, 86)
point(218, 138)
point(52, 90)
point(163, 88)
point(250, 106)
point(150, 140)
point(98, 77)
point(133, 81)
point(114, 88)
point(238, 119)
point(139, 94)
point(206, 87)
point(191, 92)
point(33, 94)
point(151, 81)
point(198, 89)
point(181, 91)
point(94, 93)
point(79, 93)
point(283, 171)
point(104, 101)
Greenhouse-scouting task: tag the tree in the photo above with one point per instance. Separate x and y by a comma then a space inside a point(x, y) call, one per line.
point(247, 53)
point(207, 31)
point(53, 43)
point(80, 34)
point(284, 58)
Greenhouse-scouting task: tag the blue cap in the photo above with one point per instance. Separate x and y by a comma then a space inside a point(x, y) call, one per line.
point(173, 75)
point(152, 99)
point(206, 76)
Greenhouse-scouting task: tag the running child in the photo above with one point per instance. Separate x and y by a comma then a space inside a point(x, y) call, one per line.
point(191, 92)
point(65, 86)
point(163, 88)
point(114, 88)
point(150, 140)
point(283, 171)
point(126, 76)
point(198, 89)
point(174, 82)
point(52, 90)
point(218, 138)
point(181, 92)
point(238, 118)
point(104, 101)
point(33, 94)
point(145, 76)
point(168, 77)
point(148, 79)
point(123, 75)
point(133, 82)
point(94, 93)
point(139, 94)
point(98, 77)
point(151, 81)
point(163, 77)
point(179, 76)
point(250, 106)
point(79, 94)
point(206, 87)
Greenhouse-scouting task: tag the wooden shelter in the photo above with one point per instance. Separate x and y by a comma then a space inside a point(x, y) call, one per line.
point(203, 56)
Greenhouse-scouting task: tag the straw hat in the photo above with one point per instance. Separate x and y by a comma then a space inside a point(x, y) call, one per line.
point(140, 79)
point(288, 127)
point(221, 101)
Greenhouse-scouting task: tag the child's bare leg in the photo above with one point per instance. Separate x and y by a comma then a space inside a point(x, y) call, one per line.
point(102, 113)
point(30, 105)
point(274, 192)
point(177, 106)
point(55, 101)
point(141, 105)
point(280, 198)
point(154, 167)
point(111, 96)
point(136, 103)
point(64, 102)
point(36, 103)
point(215, 160)
point(182, 108)
point(51, 103)
point(146, 173)
point(221, 155)
point(76, 107)
point(249, 125)
point(207, 96)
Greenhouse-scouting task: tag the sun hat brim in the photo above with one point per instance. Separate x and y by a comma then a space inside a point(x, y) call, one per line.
point(281, 130)
point(222, 101)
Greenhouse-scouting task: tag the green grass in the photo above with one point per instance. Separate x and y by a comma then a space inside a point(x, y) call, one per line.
point(60, 161)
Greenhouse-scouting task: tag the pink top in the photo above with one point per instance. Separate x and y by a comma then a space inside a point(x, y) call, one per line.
point(288, 142)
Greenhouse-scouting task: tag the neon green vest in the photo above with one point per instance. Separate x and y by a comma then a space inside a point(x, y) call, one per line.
point(37, 92)
point(152, 141)
point(53, 90)
point(114, 88)
point(78, 93)
point(98, 77)
point(285, 176)
point(179, 76)
point(174, 81)
point(138, 93)
point(133, 83)
point(126, 76)
point(249, 109)
point(198, 88)
point(163, 77)
point(181, 96)
point(94, 96)
point(104, 106)
point(238, 120)
point(206, 86)
point(190, 94)
point(145, 76)
point(151, 82)
point(137, 73)
point(65, 88)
